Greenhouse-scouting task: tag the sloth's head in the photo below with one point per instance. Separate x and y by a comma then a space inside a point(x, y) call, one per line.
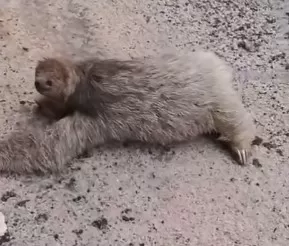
point(55, 78)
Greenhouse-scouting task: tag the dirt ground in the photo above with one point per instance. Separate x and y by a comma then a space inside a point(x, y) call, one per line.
point(192, 194)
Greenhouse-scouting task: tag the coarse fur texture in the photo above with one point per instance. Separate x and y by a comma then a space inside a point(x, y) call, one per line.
point(50, 108)
point(45, 148)
point(158, 100)
point(169, 98)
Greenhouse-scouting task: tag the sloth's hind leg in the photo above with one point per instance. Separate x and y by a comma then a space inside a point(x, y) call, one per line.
point(237, 128)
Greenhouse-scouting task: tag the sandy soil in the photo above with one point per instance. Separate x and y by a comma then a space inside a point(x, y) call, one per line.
point(192, 194)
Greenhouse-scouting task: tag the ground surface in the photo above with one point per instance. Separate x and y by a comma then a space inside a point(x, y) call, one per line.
point(189, 195)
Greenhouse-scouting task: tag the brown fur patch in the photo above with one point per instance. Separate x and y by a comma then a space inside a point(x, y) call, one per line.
point(54, 66)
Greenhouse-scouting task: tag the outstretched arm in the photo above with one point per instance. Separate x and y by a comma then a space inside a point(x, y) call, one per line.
point(47, 149)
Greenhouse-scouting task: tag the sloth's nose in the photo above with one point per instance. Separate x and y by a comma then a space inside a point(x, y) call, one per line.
point(37, 84)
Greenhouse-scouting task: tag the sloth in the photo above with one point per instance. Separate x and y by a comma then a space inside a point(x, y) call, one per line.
point(162, 99)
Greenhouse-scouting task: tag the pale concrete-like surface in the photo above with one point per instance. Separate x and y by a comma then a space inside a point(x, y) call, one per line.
point(3, 226)
point(135, 195)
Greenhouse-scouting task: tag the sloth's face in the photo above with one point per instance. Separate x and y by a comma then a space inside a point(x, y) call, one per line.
point(50, 86)
point(51, 79)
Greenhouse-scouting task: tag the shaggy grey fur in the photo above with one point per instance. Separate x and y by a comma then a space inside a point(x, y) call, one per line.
point(46, 148)
point(158, 100)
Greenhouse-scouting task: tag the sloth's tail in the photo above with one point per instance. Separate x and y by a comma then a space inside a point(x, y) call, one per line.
point(48, 148)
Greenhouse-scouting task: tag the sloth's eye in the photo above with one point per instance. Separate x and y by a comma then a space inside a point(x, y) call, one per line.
point(49, 82)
